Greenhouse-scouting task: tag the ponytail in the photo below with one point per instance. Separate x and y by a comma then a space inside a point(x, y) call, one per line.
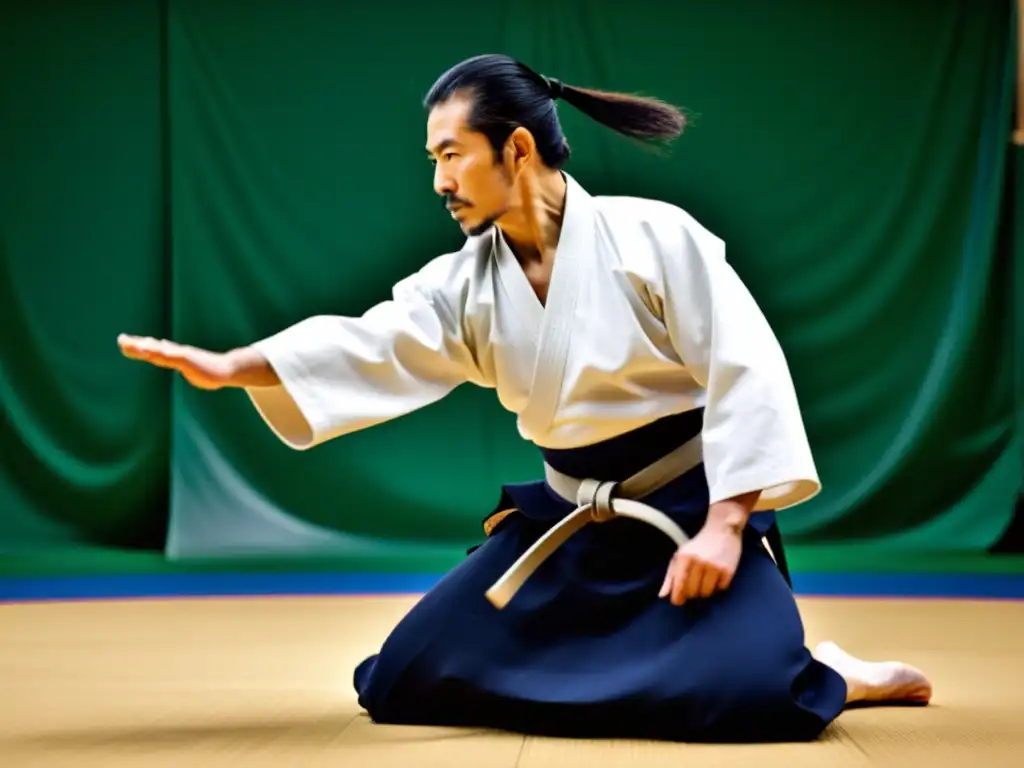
point(638, 117)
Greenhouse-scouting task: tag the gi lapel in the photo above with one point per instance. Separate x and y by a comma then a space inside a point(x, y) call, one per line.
point(574, 255)
point(526, 310)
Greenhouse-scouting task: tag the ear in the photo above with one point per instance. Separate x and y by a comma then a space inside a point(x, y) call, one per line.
point(520, 148)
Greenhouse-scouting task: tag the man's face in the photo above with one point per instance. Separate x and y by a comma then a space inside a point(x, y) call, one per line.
point(476, 188)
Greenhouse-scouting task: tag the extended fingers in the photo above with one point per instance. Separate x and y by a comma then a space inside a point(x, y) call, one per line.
point(137, 346)
point(156, 351)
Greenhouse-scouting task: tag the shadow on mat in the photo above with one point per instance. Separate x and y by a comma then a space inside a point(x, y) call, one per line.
point(312, 730)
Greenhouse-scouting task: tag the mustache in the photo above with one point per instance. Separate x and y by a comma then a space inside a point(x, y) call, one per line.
point(451, 201)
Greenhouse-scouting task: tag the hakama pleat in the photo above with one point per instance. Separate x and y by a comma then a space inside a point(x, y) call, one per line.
point(588, 649)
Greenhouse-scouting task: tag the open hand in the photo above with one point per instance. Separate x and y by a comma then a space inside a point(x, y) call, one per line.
point(202, 369)
point(704, 565)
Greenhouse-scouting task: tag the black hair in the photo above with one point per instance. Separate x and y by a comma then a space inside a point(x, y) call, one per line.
point(506, 94)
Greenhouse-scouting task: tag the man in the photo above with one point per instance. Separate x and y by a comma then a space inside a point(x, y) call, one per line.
point(662, 404)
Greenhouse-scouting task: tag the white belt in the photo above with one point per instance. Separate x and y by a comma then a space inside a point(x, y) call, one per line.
point(598, 502)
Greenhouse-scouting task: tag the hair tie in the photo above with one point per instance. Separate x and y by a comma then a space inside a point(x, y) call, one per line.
point(555, 87)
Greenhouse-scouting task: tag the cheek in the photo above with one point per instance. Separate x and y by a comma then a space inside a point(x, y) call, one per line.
point(484, 185)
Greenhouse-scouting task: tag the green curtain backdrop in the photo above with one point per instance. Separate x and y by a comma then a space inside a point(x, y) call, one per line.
point(854, 160)
point(84, 439)
point(1016, 315)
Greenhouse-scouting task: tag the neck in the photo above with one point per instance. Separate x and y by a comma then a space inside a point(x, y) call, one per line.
point(532, 228)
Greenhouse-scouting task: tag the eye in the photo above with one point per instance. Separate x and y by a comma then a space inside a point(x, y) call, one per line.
point(449, 155)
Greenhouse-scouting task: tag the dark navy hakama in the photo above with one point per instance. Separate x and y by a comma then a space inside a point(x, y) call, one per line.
point(587, 648)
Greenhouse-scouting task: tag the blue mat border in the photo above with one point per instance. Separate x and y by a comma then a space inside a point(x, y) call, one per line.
point(126, 586)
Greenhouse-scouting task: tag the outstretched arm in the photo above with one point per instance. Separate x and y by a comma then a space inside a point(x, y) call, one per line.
point(329, 375)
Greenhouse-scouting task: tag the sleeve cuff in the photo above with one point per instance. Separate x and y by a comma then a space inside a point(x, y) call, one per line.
point(776, 494)
point(291, 409)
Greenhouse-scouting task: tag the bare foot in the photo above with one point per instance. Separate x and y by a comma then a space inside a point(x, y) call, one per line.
point(889, 682)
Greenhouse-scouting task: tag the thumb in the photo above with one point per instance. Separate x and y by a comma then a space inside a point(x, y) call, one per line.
point(666, 584)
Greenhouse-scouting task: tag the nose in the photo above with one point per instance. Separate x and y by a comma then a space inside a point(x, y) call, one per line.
point(443, 182)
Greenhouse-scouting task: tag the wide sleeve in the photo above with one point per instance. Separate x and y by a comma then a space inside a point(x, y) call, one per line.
point(753, 435)
point(342, 374)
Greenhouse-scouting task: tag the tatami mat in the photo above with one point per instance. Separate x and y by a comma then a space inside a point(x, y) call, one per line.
point(192, 683)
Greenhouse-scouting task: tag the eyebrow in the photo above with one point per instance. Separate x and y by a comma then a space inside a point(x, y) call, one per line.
point(441, 146)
